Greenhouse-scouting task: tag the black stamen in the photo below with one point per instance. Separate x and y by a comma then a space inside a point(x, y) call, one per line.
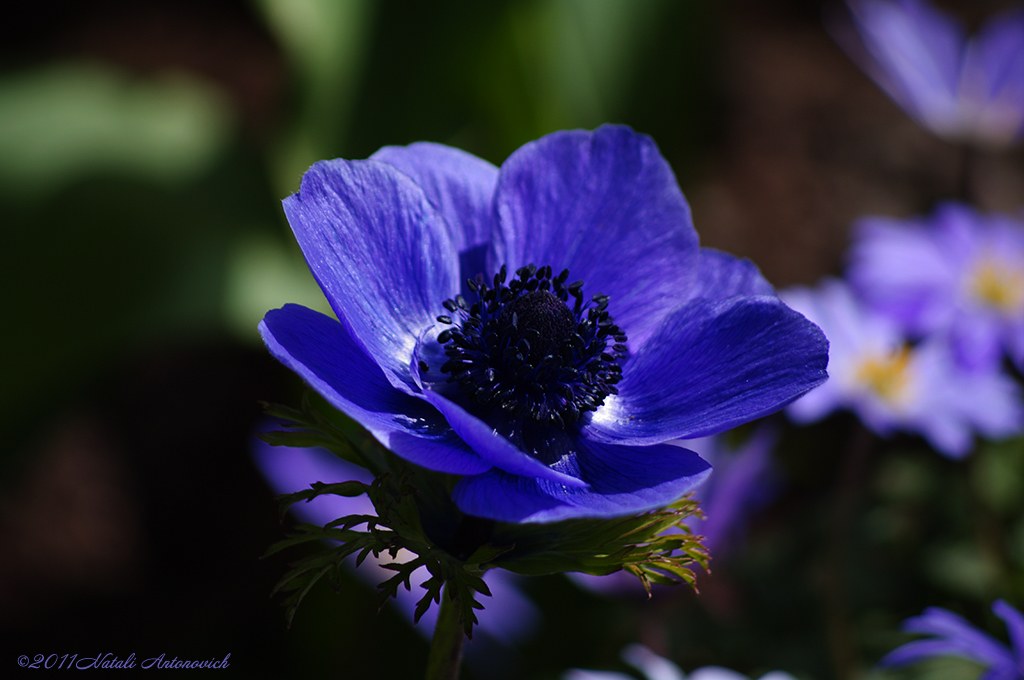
point(522, 348)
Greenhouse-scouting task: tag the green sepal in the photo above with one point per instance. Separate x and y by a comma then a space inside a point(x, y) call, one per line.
point(487, 553)
point(604, 546)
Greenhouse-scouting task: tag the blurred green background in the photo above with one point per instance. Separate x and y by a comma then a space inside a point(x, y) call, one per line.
point(144, 151)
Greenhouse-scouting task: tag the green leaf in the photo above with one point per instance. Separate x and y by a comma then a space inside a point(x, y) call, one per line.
point(320, 424)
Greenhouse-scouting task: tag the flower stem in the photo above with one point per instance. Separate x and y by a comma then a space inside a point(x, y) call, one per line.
point(841, 636)
point(446, 647)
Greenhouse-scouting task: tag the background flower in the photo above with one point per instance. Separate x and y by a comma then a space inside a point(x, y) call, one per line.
point(958, 273)
point(958, 87)
point(698, 344)
point(954, 636)
point(745, 480)
point(893, 386)
point(654, 667)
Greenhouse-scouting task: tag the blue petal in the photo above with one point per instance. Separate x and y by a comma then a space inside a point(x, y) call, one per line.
point(379, 251)
point(460, 186)
point(721, 276)
point(324, 354)
point(623, 481)
point(710, 367)
point(606, 206)
point(493, 447)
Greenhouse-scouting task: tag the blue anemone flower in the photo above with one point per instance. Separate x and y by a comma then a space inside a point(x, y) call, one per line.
point(465, 342)
point(954, 636)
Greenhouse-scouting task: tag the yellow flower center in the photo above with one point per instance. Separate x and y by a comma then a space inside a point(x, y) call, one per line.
point(887, 375)
point(996, 284)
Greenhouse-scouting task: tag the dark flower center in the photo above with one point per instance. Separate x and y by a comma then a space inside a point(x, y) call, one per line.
point(548, 320)
point(522, 348)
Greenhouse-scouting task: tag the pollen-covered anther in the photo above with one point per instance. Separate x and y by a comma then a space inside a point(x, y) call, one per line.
point(524, 348)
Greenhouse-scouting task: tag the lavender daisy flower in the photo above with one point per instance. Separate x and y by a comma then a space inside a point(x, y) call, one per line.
point(464, 345)
point(954, 636)
point(893, 386)
point(960, 88)
point(957, 272)
point(652, 666)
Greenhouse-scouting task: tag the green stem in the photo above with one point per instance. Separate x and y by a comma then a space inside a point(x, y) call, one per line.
point(446, 647)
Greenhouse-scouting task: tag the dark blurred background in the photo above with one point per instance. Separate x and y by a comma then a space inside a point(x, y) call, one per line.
point(144, 150)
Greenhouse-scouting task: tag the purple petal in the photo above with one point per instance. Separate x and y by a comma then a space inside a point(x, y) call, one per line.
point(581, 674)
point(460, 186)
point(975, 340)
point(324, 354)
point(1000, 55)
point(379, 251)
point(605, 205)
point(952, 402)
point(1001, 41)
point(899, 270)
point(493, 447)
point(1015, 344)
point(960, 638)
point(916, 55)
point(653, 667)
point(623, 481)
point(742, 483)
point(920, 650)
point(712, 366)
point(1015, 627)
point(718, 673)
